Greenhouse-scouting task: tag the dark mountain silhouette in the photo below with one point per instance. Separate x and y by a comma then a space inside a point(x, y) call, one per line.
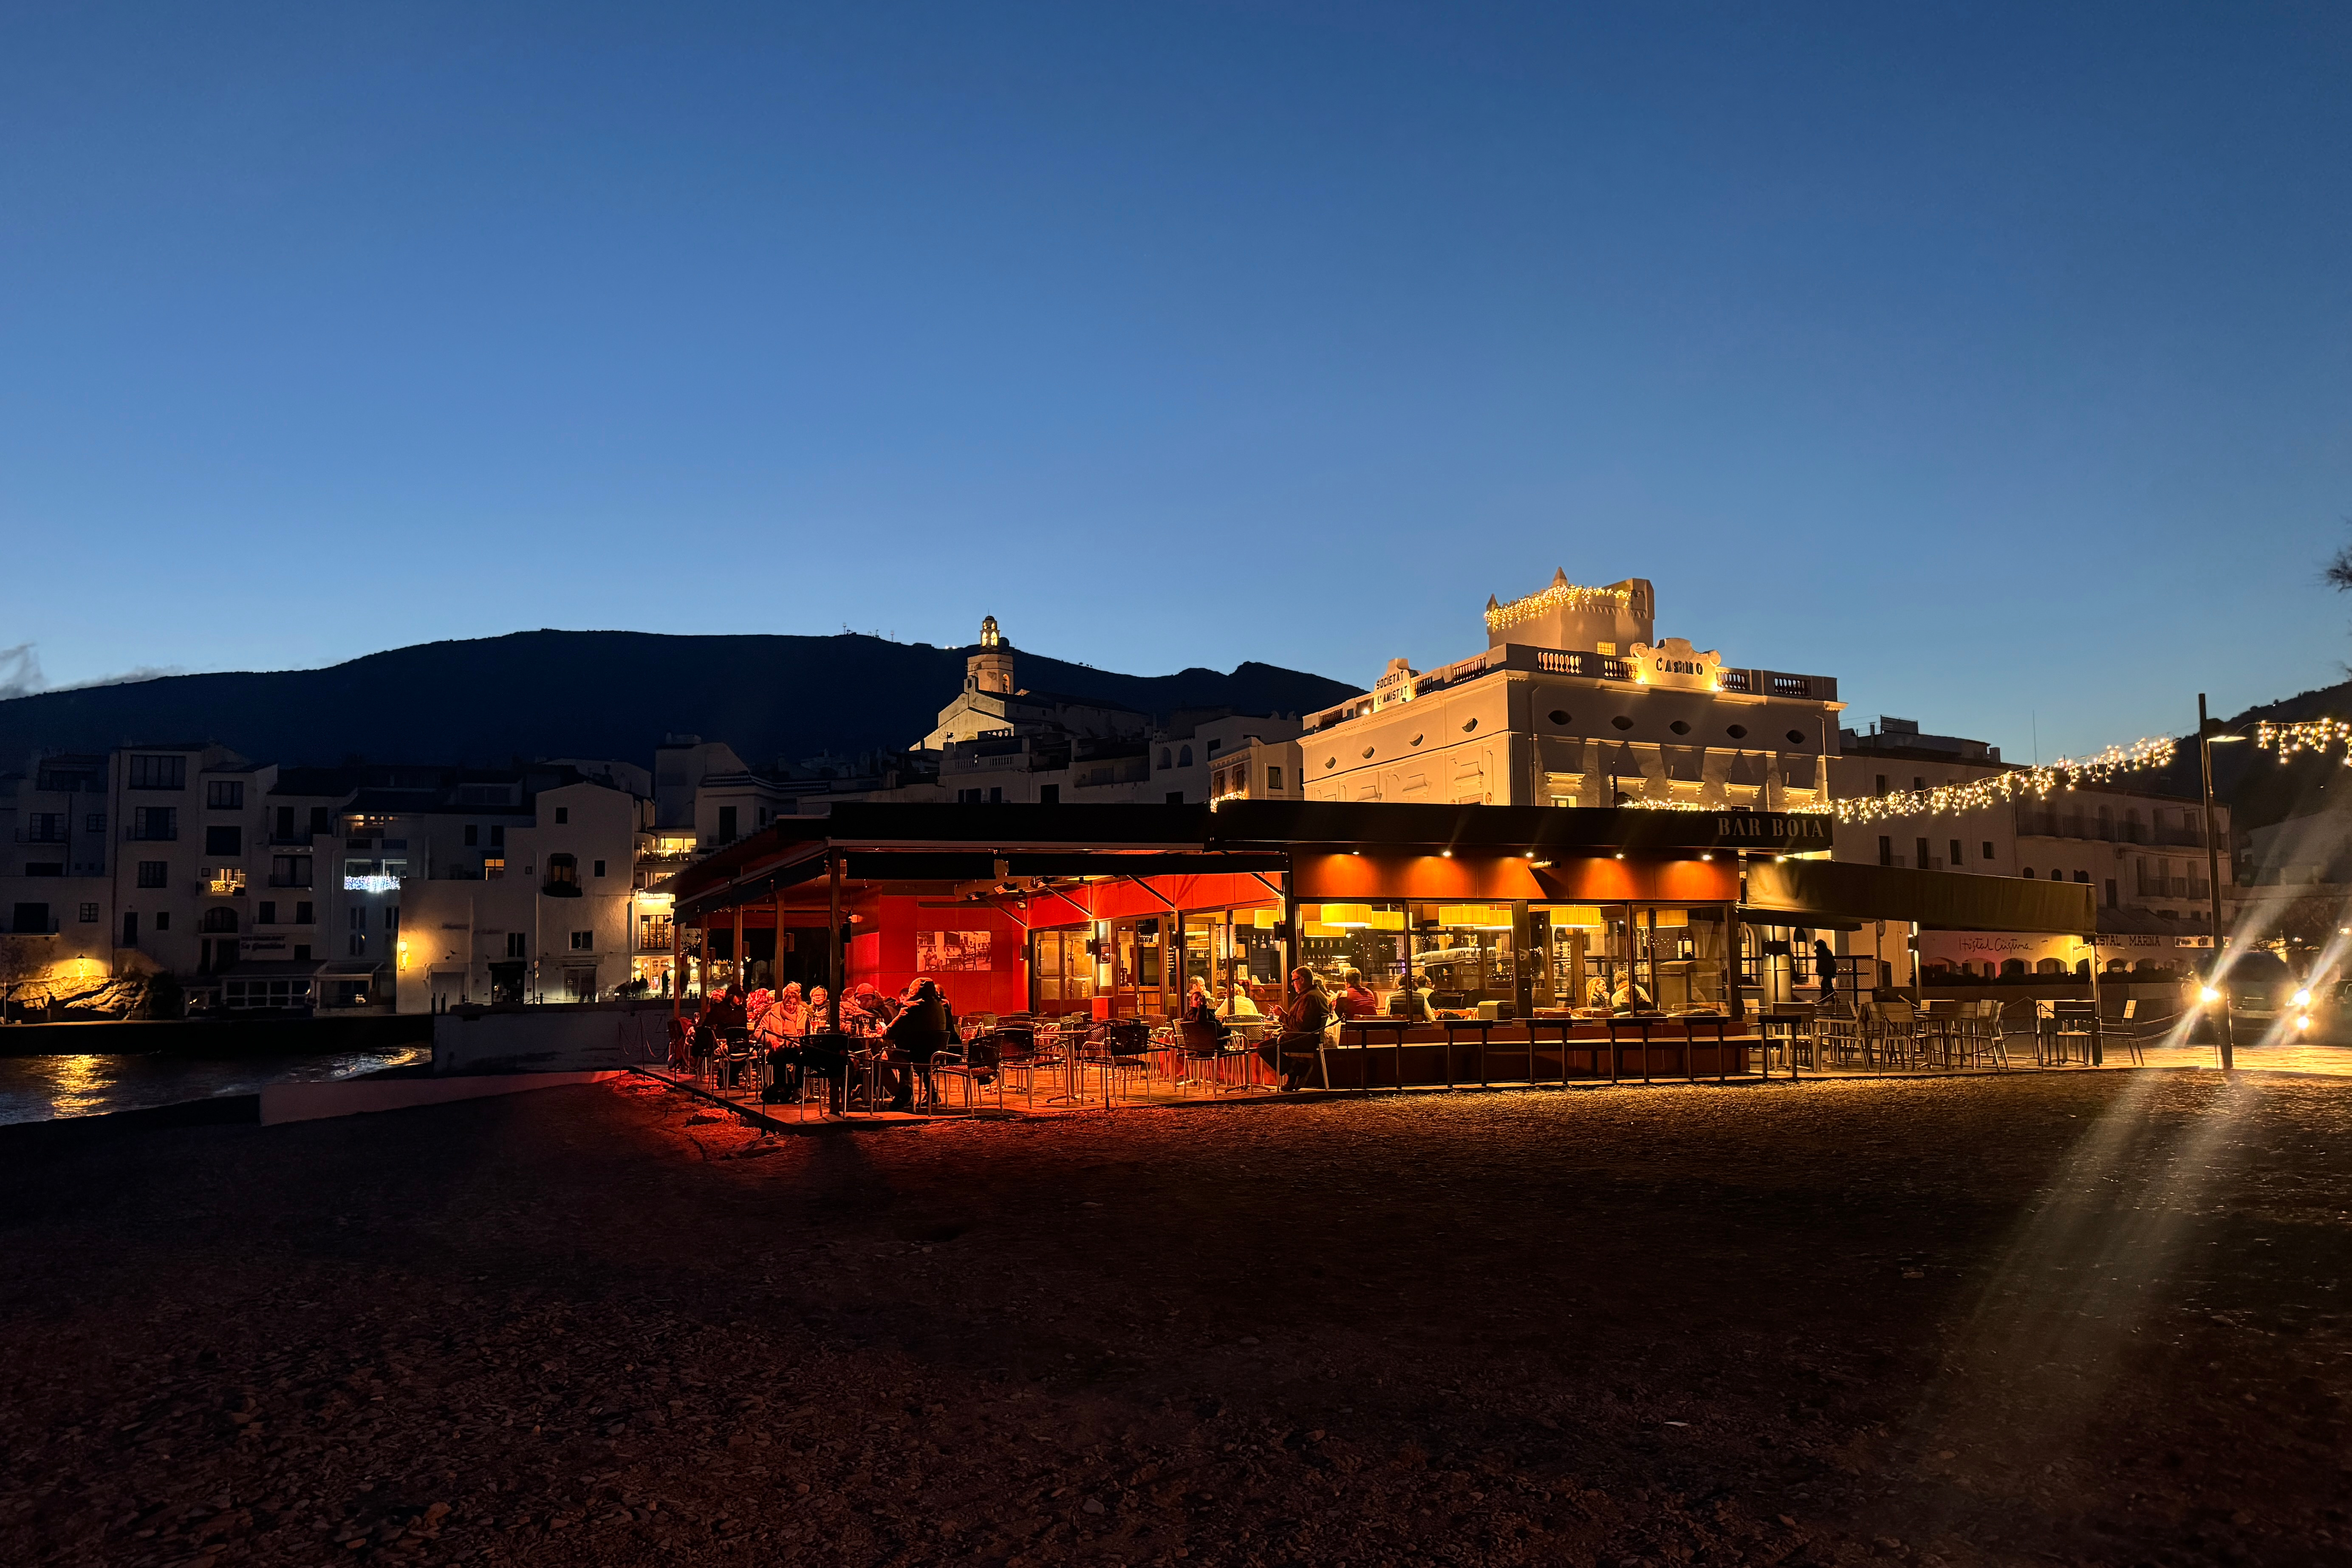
point(598, 694)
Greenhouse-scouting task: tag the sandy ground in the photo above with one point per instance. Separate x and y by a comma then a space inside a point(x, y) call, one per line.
point(2095, 1319)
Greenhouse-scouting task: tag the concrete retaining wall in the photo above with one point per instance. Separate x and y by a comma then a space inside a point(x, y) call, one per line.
point(543, 1040)
point(282, 1102)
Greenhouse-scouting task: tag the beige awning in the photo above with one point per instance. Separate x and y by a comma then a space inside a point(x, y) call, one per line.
point(1950, 900)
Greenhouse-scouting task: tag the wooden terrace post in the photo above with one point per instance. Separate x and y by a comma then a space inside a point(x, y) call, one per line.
point(1523, 986)
point(677, 961)
point(1738, 1008)
point(833, 955)
point(743, 970)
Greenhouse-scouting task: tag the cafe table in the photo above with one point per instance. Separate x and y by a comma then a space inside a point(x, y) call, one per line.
point(1788, 1028)
point(1364, 1029)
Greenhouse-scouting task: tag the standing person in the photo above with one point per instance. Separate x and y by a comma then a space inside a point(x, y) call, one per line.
point(1825, 967)
point(1295, 1052)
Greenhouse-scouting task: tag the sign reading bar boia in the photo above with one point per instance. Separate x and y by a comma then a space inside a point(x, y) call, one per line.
point(1783, 832)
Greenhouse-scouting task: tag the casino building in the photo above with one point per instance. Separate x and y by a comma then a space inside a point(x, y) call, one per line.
point(1577, 701)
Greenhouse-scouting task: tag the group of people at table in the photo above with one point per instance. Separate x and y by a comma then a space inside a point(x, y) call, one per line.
point(795, 1031)
point(902, 1034)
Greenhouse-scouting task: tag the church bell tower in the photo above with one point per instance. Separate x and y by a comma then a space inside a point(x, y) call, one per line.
point(990, 670)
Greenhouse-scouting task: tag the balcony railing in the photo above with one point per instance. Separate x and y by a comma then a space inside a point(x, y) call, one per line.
point(278, 880)
point(33, 928)
point(1567, 662)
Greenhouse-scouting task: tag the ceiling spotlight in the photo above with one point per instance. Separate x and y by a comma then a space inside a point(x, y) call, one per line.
point(1707, 856)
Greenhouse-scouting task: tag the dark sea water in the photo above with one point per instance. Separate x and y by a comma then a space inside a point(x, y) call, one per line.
point(38, 1088)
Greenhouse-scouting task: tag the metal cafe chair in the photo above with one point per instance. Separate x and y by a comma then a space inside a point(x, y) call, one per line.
point(1893, 1029)
point(975, 1066)
point(1838, 1040)
point(1015, 1045)
point(1121, 1053)
point(1201, 1046)
point(825, 1061)
point(2071, 1033)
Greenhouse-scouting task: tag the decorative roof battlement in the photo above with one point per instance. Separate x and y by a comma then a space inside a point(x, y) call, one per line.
point(1567, 615)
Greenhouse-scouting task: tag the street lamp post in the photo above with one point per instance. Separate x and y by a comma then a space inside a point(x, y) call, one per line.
point(2205, 738)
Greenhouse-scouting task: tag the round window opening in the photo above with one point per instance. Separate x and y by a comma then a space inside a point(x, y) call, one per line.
point(1737, 731)
point(1416, 739)
point(1367, 750)
point(1469, 725)
point(1679, 727)
point(1560, 715)
point(1622, 721)
point(1796, 737)
point(1328, 761)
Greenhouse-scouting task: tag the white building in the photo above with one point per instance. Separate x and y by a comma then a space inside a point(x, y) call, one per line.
point(293, 889)
point(1576, 702)
point(516, 889)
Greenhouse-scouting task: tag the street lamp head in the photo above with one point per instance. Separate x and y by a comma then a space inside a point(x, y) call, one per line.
point(2208, 995)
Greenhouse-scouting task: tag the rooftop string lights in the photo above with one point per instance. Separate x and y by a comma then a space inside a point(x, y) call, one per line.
point(2020, 783)
point(1559, 597)
point(2308, 735)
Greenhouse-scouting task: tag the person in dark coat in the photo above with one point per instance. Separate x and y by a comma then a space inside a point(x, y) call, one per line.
point(919, 1032)
point(1824, 967)
point(1293, 1052)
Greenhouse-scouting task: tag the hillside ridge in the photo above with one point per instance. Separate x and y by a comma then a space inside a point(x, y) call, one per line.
point(489, 700)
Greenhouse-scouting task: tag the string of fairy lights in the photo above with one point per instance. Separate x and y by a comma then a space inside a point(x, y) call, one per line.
point(1993, 789)
point(2316, 735)
point(2020, 783)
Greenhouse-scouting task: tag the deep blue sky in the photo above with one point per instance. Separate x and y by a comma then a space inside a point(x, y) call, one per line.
point(1994, 360)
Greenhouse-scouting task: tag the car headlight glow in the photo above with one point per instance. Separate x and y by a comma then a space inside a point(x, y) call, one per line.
point(2303, 998)
point(2207, 994)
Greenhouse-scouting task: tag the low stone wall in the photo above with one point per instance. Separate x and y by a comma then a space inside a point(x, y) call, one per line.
point(283, 1103)
point(217, 1037)
point(546, 1039)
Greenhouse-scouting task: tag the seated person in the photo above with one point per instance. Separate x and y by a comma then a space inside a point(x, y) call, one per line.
point(1198, 1015)
point(1357, 1001)
point(1238, 1005)
point(1629, 997)
point(921, 1030)
point(1412, 1002)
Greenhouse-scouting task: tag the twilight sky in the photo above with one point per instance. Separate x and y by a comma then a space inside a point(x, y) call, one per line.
point(1995, 360)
